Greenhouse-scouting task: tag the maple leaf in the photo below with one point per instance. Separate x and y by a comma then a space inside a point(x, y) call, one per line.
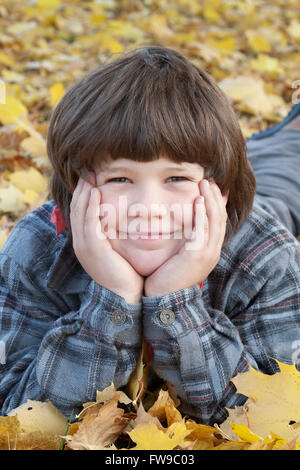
point(164, 408)
point(99, 430)
point(149, 437)
point(273, 402)
point(142, 417)
point(39, 416)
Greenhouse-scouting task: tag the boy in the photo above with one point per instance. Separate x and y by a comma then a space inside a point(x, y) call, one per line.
point(212, 285)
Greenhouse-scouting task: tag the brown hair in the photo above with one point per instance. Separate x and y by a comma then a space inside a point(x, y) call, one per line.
point(149, 102)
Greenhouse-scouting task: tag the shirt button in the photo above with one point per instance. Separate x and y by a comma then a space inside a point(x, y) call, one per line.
point(118, 317)
point(167, 316)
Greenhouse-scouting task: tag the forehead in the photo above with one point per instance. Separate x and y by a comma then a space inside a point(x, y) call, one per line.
point(159, 164)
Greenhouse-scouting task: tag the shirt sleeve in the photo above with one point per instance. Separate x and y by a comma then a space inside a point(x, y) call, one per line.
point(199, 348)
point(64, 357)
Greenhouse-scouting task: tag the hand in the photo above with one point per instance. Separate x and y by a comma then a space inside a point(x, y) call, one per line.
point(93, 249)
point(200, 254)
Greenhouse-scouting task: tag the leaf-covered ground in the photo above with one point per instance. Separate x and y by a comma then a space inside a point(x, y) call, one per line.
point(269, 420)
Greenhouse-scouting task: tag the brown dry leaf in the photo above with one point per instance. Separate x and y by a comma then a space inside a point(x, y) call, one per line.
point(261, 445)
point(201, 432)
point(230, 445)
point(291, 445)
point(9, 430)
point(100, 431)
point(143, 418)
point(164, 408)
point(103, 396)
point(38, 441)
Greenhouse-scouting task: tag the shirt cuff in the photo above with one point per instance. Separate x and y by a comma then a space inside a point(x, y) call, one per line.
point(174, 313)
point(107, 313)
point(171, 300)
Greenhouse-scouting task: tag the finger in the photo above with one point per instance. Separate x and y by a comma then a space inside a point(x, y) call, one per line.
point(199, 234)
point(78, 211)
point(222, 200)
point(215, 216)
point(93, 226)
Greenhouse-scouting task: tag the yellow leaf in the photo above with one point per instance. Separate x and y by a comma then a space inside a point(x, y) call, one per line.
point(249, 92)
point(210, 10)
point(19, 28)
point(3, 237)
point(112, 45)
point(45, 4)
point(244, 433)
point(29, 179)
point(294, 29)
point(164, 408)
point(158, 25)
point(230, 445)
point(30, 196)
point(35, 146)
point(224, 46)
point(6, 59)
point(11, 199)
point(12, 110)
point(200, 445)
point(97, 18)
point(265, 63)
point(138, 376)
point(40, 416)
point(12, 77)
point(57, 91)
point(258, 43)
point(273, 402)
point(149, 437)
point(201, 433)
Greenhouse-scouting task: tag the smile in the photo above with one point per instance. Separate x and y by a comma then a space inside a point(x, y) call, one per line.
point(150, 236)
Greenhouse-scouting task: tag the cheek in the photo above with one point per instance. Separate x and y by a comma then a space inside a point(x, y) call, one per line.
point(184, 213)
point(109, 210)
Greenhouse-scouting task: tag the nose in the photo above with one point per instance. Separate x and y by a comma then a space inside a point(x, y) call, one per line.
point(149, 210)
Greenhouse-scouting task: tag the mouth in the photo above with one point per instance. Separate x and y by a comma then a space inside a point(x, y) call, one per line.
point(150, 236)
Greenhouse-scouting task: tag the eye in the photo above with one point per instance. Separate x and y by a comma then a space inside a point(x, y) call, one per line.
point(118, 180)
point(179, 178)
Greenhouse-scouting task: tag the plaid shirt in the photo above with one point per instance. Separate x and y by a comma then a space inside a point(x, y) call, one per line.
point(65, 336)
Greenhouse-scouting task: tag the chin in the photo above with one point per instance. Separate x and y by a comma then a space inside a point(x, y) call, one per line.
point(144, 262)
point(145, 267)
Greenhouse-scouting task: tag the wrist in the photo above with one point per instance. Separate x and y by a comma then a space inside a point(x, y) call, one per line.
point(132, 298)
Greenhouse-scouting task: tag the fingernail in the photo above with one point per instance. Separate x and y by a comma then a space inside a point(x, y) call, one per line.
point(206, 183)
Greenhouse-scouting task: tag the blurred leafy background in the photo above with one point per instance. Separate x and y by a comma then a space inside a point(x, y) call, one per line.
point(250, 47)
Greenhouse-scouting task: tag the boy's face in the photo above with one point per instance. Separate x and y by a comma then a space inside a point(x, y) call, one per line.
point(143, 196)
